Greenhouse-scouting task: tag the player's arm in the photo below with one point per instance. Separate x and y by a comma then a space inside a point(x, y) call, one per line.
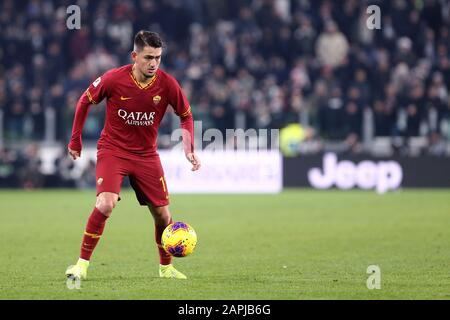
point(93, 95)
point(182, 108)
point(187, 124)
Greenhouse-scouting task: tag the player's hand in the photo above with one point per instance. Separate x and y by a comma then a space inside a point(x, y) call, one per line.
point(194, 159)
point(73, 154)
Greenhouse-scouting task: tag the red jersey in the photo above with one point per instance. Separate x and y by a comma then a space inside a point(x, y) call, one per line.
point(133, 112)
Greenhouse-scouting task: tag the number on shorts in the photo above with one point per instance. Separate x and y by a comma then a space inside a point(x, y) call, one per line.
point(163, 182)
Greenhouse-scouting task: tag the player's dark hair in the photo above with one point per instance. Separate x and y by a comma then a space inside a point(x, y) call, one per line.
point(147, 38)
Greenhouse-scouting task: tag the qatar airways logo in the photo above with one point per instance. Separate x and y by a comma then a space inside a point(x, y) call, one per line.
point(137, 118)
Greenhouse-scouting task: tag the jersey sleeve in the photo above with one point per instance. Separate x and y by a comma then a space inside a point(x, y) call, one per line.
point(94, 94)
point(178, 100)
point(99, 89)
point(181, 106)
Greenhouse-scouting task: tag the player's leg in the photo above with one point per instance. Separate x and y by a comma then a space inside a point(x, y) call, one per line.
point(106, 201)
point(151, 190)
point(109, 174)
point(162, 217)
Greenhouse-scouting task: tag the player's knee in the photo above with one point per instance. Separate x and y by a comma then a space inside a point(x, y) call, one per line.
point(105, 208)
point(105, 205)
point(160, 214)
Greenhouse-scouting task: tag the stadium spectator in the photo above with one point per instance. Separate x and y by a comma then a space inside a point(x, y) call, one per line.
point(29, 174)
point(7, 169)
point(332, 46)
point(87, 178)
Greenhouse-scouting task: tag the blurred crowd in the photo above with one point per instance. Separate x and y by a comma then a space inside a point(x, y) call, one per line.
point(272, 62)
point(22, 168)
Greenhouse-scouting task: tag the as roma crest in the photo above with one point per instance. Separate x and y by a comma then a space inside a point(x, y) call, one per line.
point(156, 99)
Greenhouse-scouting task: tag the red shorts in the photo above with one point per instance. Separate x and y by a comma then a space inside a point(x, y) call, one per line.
point(146, 177)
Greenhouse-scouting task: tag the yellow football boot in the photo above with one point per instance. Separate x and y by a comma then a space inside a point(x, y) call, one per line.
point(78, 271)
point(169, 271)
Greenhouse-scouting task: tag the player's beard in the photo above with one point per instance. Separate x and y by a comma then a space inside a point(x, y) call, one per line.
point(145, 72)
point(149, 75)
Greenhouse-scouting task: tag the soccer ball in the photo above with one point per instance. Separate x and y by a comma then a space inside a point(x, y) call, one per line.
point(179, 239)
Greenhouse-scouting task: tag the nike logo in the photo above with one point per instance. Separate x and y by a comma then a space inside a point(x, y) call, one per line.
point(124, 98)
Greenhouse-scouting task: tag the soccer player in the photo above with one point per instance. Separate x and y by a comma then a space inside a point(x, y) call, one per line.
point(137, 98)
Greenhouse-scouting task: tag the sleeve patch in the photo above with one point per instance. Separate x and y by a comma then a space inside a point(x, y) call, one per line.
point(96, 82)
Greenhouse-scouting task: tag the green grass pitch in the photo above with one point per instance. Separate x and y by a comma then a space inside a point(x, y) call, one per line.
point(301, 244)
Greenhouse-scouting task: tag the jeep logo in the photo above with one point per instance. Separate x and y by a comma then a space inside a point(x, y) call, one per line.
point(383, 176)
